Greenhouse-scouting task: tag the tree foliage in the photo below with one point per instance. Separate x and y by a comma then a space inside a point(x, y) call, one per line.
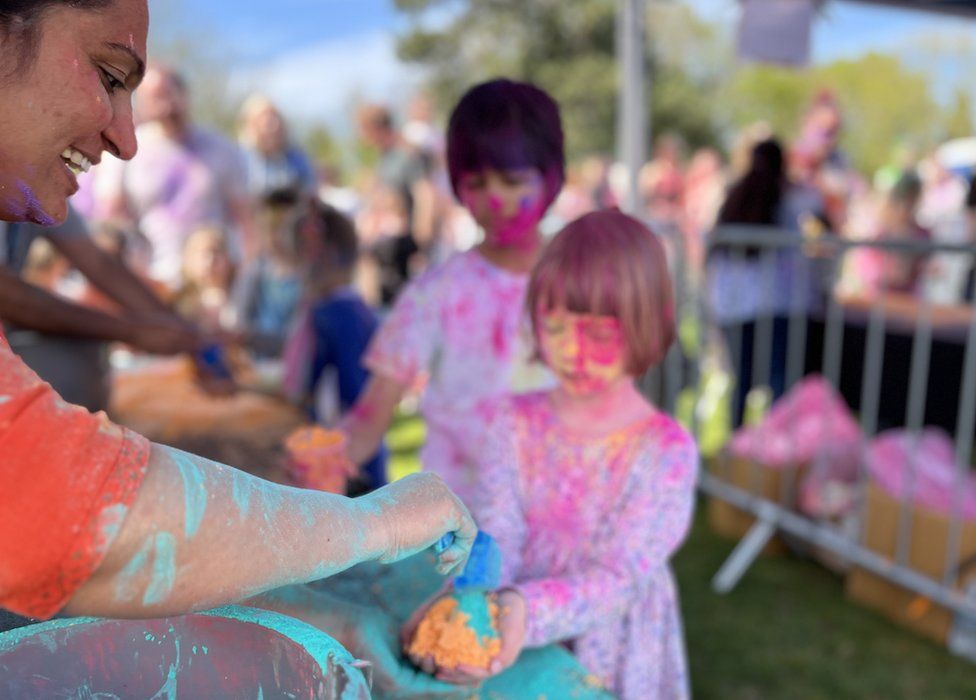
point(567, 48)
point(696, 88)
point(883, 103)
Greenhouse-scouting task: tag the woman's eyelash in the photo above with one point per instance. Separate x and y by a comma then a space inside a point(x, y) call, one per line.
point(113, 82)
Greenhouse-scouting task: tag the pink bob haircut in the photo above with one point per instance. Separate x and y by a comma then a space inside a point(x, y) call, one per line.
point(609, 264)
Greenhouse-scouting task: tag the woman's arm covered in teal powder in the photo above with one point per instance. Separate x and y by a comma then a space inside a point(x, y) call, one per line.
point(202, 534)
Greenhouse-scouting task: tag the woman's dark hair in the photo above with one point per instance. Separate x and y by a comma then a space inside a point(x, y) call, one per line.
point(20, 22)
point(755, 198)
point(506, 125)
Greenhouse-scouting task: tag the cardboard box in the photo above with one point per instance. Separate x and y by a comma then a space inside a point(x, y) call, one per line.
point(926, 554)
point(728, 521)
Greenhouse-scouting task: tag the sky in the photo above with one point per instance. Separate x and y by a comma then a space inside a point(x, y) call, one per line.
point(348, 45)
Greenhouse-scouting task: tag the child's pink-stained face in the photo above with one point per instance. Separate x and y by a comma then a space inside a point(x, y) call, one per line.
point(506, 204)
point(587, 352)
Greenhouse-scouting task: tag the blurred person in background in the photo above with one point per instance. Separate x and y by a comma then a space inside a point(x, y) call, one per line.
point(65, 342)
point(183, 177)
point(324, 372)
point(406, 172)
point(661, 180)
point(875, 271)
point(274, 163)
point(384, 229)
point(745, 283)
point(817, 160)
point(268, 289)
point(942, 210)
point(704, 193)
point(207, 277)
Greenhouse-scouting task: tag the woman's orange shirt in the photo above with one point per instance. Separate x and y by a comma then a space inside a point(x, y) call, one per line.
point(67, 480)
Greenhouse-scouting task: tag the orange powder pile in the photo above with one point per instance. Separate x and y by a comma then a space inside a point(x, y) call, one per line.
point(313, 437)
point(444, 634)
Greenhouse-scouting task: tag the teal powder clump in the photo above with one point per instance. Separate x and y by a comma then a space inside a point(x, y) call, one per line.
point(474, 604)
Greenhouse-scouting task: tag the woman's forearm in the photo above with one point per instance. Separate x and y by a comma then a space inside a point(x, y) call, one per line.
point(202, 534)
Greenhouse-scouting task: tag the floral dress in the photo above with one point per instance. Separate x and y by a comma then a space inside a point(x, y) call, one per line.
point(462, 330)
point(586, 527)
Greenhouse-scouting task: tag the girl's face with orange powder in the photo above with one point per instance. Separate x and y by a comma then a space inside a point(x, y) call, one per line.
point(587, 352)
point(506, 204)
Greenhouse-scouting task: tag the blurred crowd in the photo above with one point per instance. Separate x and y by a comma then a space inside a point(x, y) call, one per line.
point(211, 224)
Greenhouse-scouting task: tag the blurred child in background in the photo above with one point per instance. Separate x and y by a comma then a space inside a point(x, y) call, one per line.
point(207, 273)
point(874, 271)
point(268, 290)
point(324, 370)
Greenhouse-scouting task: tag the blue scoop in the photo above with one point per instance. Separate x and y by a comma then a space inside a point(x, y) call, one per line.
point(484, 566)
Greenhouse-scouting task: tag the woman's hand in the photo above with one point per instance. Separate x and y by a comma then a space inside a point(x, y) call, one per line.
point(416, 512)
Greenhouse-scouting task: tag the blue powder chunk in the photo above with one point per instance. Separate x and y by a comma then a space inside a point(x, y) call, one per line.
point(484, 566)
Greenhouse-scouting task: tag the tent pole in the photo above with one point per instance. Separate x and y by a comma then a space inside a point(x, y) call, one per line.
point(633, 123)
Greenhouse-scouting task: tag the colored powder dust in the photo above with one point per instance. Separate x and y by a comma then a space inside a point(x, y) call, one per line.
point(459, 629)
point(317, 459)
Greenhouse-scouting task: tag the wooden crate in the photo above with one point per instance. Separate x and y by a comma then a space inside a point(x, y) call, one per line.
point(926, 555)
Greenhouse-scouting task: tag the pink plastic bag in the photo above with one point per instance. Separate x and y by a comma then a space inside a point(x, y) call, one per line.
point(933, 484)
point(809, 424)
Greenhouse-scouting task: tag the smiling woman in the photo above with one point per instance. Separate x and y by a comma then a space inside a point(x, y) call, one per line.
point(97, 520)
point(65, 98)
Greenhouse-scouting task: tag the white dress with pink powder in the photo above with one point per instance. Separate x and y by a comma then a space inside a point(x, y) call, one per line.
point(461, 329)
point(586, 528)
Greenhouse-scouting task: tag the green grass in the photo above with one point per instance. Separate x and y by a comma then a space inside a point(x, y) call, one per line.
point(786, 632)
point(404, 440)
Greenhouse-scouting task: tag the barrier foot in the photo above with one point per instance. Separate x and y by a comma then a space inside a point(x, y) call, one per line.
point(742, 556)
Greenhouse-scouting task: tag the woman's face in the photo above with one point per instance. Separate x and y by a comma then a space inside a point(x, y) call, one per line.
point(68, 105)
point(586, 352)
point(507, 204)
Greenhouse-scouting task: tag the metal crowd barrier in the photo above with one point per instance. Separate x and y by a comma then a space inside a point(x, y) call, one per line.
point(858, 349)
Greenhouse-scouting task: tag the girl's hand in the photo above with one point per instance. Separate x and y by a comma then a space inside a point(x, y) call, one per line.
point(511, 630)
point(409, 629)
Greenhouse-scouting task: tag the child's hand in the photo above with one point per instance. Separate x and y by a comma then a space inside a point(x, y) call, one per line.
point(409, 629)
point(511, 630)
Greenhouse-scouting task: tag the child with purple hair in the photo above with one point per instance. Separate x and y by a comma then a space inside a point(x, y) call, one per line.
point(460, 328)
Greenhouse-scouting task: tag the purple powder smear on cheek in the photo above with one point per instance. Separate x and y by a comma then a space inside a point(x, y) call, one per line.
point(32, 207)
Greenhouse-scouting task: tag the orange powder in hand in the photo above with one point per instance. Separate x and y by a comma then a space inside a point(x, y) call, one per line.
point(445, 635)
point(317, 458)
